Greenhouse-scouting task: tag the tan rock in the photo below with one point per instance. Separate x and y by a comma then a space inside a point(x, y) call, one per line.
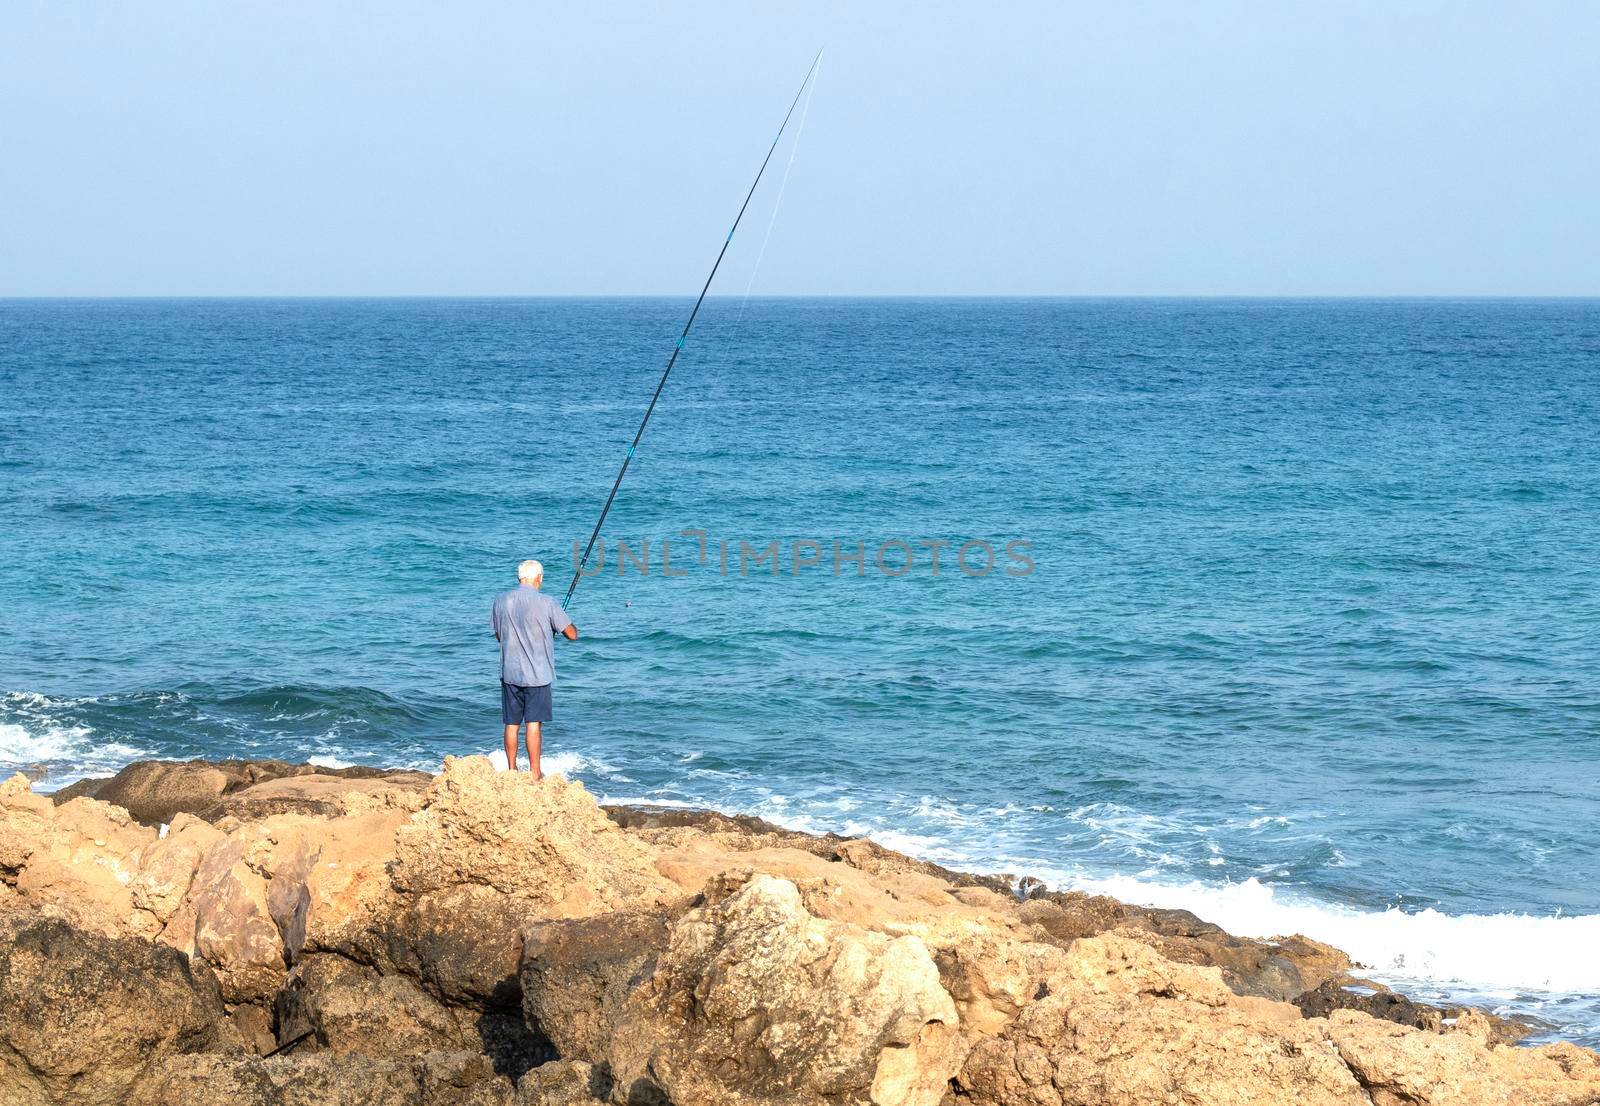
point(1346, 993)
point(412, 929)
point(544, 844)
point(991, 975)
point(462, 1078)
point(1403, 1066)
point(77, 861)
point(24, 817)
point(156, 791)
point(327, 1079)
point(321, 795)
point(216, 1079)
point(254, 1026)
point(347, 890)
point(354, 1009)
point(563, 1083)
point(1121, 1026)
point(1277, 969)
point(831, 889)
point(83, 1015)
point(166, 867)
point(577, 974)
point(757, 1000)
point(233, 926)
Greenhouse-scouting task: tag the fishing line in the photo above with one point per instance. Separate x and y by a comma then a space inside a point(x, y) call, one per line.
point(794, 148)
point(677, 348)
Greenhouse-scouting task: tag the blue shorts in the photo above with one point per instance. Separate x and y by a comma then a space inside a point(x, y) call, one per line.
point(524, 704)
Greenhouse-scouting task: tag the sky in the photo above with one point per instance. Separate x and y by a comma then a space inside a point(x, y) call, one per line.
point(1221, 148)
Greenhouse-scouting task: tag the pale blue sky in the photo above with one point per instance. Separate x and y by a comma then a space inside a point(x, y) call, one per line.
point(517, 148)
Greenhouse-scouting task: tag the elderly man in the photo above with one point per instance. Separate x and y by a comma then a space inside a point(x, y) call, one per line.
point(525, 622)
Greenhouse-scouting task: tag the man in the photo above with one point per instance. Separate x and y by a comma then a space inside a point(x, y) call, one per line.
point(525, 622)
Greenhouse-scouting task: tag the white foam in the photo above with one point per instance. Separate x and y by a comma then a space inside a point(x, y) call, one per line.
point(1514, 952)
point(67, 752)
point(325, 761)
point(19, 746)
point(565, 763)
point(116, 751)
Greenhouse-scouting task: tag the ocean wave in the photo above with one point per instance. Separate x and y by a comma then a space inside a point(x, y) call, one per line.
point(1511, 952)
point(19, 746)
point(36, 739)
point(302, 703)
point(565, 763)
point(325, 760)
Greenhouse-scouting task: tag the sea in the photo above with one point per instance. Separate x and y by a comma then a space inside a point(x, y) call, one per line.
point(1286, 612)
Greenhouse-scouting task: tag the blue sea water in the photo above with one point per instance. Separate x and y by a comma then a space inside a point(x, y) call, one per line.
point(1310, 640)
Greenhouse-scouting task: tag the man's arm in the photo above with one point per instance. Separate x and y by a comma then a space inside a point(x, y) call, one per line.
point(561, 624)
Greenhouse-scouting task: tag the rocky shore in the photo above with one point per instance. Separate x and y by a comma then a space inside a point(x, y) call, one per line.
point(267, 934)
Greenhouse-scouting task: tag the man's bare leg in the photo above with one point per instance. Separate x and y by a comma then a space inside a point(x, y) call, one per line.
point(534, 740)
point(511, 748)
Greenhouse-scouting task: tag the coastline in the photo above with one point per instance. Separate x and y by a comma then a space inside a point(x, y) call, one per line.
point(474, 922)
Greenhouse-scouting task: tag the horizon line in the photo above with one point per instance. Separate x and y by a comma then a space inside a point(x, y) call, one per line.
point(1230, 296)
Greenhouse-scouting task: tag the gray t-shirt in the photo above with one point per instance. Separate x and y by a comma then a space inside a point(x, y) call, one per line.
point(526, 621)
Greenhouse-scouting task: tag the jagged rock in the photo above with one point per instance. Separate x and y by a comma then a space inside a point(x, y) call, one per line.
point(254, 1026)
point(433, 939)
point(463, 943)
point(564, 1083)
point(154, 791)
point(330, 885)
point(215, 1079)
point(707, 821)
point(991, 976)
point(1402, 1066)
point(576, 974)
point(438, 1078)
point(1121, 1026)
point(79, 860)
point(1279, 970)
point(462, 1078)
point(320, 795)
point(233, 926)
point(1380, 1002)
point(83, 1015)
point(352, 1008)
point(167, 866)
point(544, 844)
point(756, 1000)
point(327, 1079)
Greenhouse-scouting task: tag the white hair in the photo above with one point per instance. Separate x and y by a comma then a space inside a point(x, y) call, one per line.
point(530, 570)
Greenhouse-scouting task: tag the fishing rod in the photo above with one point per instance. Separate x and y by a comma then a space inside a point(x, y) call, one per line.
point(678, 348)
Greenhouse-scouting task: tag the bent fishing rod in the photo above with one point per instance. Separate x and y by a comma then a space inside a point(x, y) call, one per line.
point(583, 562)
